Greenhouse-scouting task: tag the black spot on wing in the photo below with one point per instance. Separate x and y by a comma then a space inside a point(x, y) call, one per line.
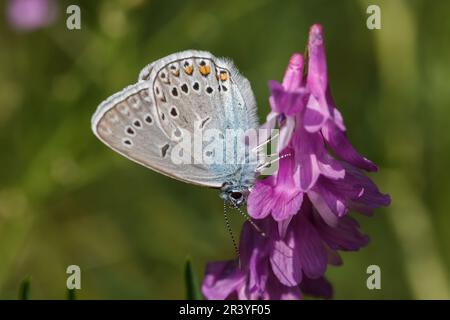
point(164, 150)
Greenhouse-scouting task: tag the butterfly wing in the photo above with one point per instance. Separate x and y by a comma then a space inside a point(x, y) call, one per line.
point(184, 93)
point(196, 87)
point(127, 123)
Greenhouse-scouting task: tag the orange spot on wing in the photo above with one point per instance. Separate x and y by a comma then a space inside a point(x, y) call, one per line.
point(223, 76)
point(204, 70)
point(188, 70)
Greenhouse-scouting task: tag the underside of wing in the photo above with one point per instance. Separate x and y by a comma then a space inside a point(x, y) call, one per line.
point(128, 123)
point(178, 98)
point(195, 87)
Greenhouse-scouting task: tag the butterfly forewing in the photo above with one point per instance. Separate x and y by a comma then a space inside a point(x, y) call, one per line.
point(176, 97)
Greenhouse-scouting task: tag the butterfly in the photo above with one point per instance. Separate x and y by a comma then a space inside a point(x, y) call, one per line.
point(175, 98)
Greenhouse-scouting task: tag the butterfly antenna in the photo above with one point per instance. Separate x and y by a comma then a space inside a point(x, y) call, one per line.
point(246, 216)
point(230, 231)
point(265, 165)
point(266, 142)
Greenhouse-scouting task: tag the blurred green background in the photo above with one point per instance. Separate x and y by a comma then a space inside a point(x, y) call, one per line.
point(65, 198)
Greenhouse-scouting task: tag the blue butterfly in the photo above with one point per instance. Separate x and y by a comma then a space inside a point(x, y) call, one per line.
point(176, 99)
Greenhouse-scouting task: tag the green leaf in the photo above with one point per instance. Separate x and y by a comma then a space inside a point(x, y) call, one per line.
point(71, 294)
point(24, 291)
point(192, 288)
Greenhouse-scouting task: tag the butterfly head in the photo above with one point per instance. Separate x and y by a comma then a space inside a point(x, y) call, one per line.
point(234, 195)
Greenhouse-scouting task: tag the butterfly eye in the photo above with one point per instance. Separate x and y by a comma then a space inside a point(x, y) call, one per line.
point(236, 195)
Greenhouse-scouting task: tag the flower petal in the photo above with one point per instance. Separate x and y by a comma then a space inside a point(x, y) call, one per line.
point(311, 251)
point(334, 258)
point(319, 287)
point(332, 200)
point(254, 254)
point(331, 168)
point(322, 207)
point(356, 190)
point(279, 196)
point(338, 142)
point(221, 279)
point(315, 116)
point(270, 123)
point(309, 148)
point(317, 64)
point(345, 236)
point(283, 225)
point(286, 102)
point(294, 73)
point(260, 199)
point(286, 132)
point(285, 264)
point(287, 205)
point(337, 116)
point(278, 291)
point(308, 170)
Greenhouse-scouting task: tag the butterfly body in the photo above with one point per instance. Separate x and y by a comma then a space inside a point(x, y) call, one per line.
point(177, 120)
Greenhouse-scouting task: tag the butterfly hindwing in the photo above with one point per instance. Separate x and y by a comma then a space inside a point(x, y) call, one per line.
point(127, 123)
point(182, 94)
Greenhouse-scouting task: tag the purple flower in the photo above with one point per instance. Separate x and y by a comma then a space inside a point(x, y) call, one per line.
point(254, 278)
point(287, 99)
point(311, 126)
point(334, 198)
point(279, 195)
point(284, 267)
point(321, 112)
point(27, 15)
point(303, 208)
point(312, 157)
